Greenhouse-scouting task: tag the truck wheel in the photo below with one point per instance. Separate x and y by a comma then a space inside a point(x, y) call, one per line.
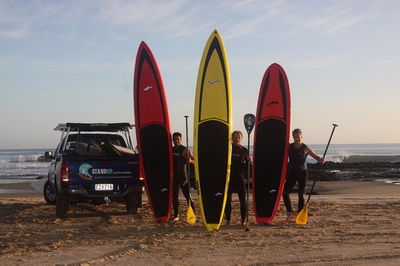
point(133, 202)
point(62, 205)
point(49, 193)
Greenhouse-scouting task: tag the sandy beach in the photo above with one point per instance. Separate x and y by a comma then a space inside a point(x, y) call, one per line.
point(350, 223)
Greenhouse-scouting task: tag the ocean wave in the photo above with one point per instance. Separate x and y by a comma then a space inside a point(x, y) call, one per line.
point(24, 159)
point(24, 169)
point(371, 158)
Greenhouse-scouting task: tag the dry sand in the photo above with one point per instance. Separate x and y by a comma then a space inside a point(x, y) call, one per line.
point(350, 223)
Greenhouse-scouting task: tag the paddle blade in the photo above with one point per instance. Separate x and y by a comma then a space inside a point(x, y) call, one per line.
point(249, 121)
point(302, 217)
point(190, 216)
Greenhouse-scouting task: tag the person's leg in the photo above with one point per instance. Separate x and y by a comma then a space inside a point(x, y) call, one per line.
point(288, 188)
point(185, 190)
point(175, 200)
point(302, 187)
point(241, 190)
point(228, 207)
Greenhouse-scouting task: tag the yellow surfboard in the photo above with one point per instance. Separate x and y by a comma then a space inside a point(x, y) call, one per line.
point(212, 130)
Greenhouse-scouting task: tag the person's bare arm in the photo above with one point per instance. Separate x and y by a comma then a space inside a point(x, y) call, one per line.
point(314, 155)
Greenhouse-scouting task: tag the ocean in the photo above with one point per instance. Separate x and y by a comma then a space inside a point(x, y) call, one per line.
point(27, 164)
point(22, 165)
point(351, 153)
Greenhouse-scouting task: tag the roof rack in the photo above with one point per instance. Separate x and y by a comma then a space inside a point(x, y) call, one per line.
point(110, 127)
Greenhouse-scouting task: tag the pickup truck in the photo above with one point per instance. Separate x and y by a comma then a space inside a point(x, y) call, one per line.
point(96, 163)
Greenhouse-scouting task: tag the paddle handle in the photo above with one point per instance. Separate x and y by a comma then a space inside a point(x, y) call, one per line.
point(249, 121)
point(329, 141)
point(187, 151)
point(248, 174)
point(326, 149)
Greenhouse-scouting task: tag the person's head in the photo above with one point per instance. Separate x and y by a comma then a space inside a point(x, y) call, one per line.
point(177, 138)
point(237, 137)
point(297, 135)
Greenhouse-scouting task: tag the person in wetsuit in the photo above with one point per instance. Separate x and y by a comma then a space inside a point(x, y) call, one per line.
point(297, 172)
point(182, 156)
point(239, 159)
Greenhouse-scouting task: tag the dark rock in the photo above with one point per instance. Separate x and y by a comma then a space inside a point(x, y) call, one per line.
point(331, 171)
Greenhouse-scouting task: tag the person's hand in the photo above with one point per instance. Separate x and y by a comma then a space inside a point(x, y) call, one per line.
point(250, 159)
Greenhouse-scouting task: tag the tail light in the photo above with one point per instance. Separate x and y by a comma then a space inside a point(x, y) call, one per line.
point(64, 172)
point(141, 177)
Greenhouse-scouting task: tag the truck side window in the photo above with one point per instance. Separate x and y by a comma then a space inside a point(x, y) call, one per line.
point(70, 146)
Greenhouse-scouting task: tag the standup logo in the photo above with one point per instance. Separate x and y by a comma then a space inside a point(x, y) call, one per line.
point(87, 172)
point(84, 171)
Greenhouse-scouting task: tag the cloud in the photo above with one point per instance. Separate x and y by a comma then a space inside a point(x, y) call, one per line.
point(141, 13)
point(176, 18)
point(38, 66)
point(292, 16)
point(11, 24)
point(336, 18)
point(20, 32)
point(21, 19)
point(316, 62)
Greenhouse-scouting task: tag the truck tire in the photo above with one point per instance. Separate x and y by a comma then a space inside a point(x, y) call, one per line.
point(133, 203)
point(62, 205)
point(49, 193)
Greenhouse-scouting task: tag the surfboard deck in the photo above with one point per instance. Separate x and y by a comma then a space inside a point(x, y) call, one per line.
point(271, 143)
point(212, 129)
point(38, 184)
point(153, 133)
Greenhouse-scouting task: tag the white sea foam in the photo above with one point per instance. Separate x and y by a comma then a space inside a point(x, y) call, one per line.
point(22, 164)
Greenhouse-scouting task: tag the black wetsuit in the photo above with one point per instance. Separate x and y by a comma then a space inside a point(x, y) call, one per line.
point(237, 182)
point(180, 179)
point(297, 172)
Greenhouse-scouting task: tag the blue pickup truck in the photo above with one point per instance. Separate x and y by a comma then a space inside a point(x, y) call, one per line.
point(96, 163)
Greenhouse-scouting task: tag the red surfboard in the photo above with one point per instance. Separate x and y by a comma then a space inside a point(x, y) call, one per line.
point(153, 133)
point(271, 143)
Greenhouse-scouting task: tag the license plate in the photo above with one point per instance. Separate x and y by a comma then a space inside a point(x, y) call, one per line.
point(101, 187)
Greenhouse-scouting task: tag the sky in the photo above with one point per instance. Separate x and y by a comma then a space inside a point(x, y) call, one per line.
point(72, 61)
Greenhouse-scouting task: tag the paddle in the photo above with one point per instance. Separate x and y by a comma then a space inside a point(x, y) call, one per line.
point(249, 120)
point(190, 216)
point(302, 217)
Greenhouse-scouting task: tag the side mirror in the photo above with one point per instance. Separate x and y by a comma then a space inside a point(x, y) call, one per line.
point(48, 155)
